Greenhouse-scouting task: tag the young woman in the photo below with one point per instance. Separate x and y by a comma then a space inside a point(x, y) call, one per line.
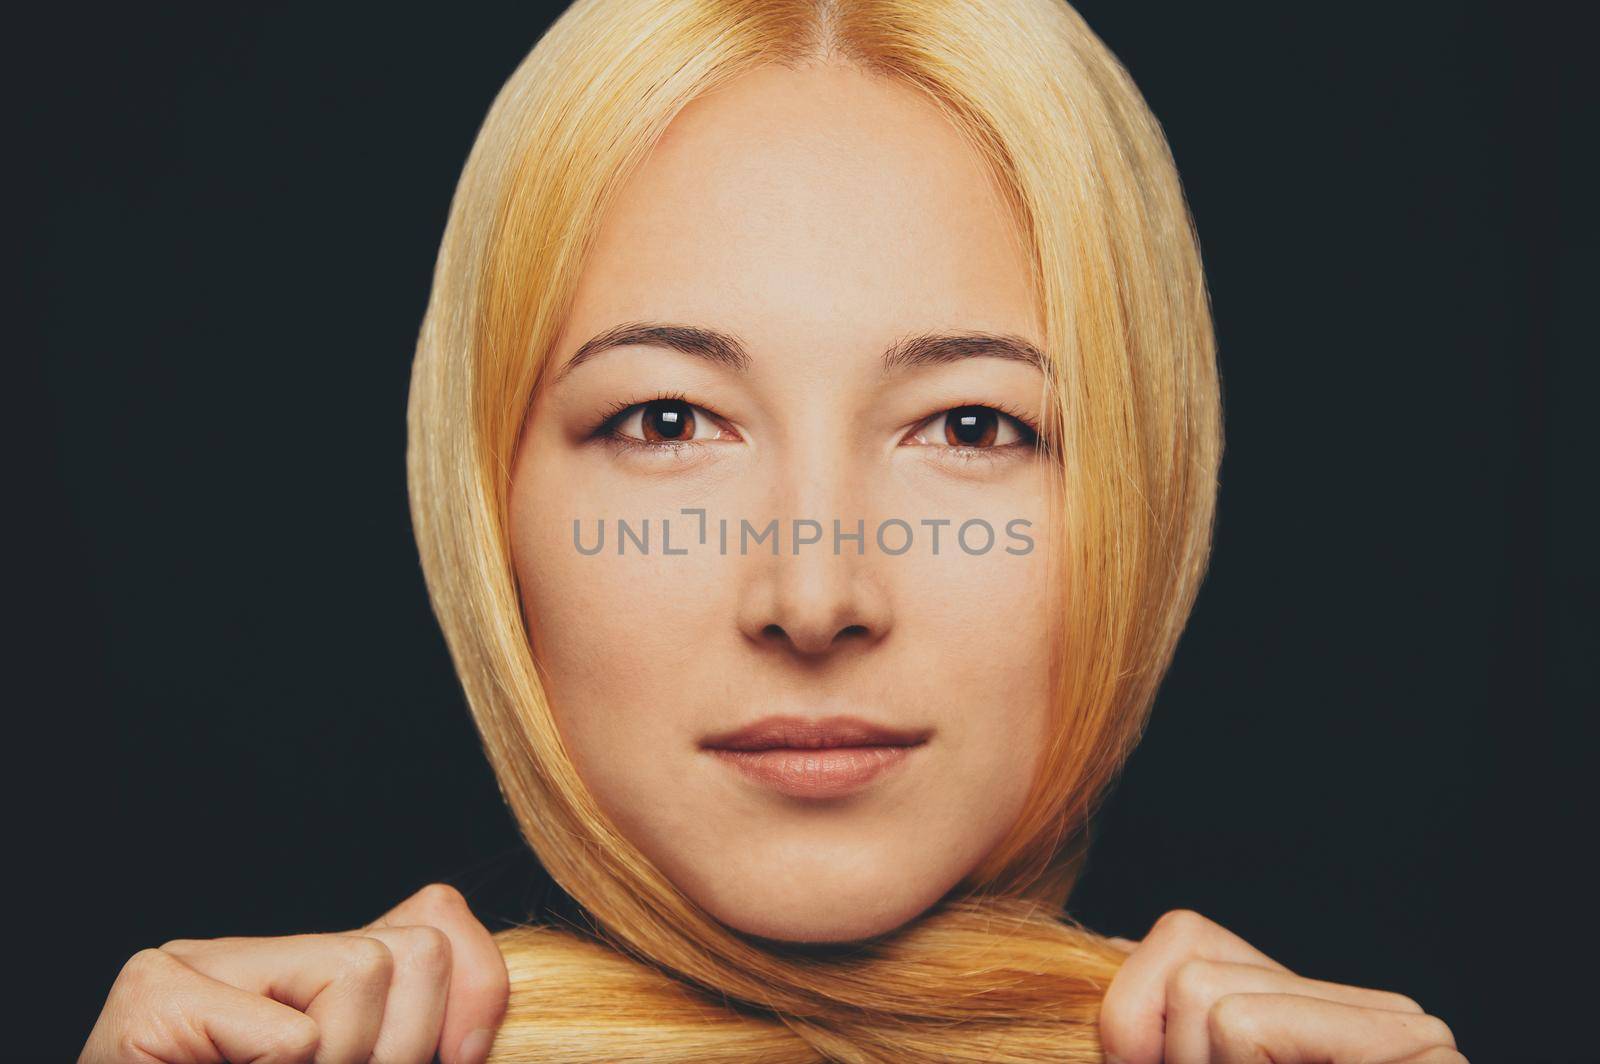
point(814, 437)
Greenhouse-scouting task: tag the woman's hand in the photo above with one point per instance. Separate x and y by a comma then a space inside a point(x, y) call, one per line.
point(1195, 993)
point(426, 977)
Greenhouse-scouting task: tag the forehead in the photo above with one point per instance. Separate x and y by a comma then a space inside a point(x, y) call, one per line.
point(811, 203)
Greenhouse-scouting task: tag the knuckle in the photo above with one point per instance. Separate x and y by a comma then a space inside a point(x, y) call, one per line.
point(1180, 923)
point(144, 968)
point(294, 1039)
point(187, 948)
point(1193, 985)
point(129, 1048)
point(440, 898)
point(1396, 1002)
point(424, 949)
point(1435, 1031)
point(368, 960)
point(153, 1021)
point(1233, 1024)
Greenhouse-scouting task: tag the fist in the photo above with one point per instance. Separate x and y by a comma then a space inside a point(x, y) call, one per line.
point(1193, 992)
point(423, 979)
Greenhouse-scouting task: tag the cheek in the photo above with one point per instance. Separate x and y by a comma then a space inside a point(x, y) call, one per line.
point(613, 632)
point(980, 616)
point(613, 617)
point(979, 628)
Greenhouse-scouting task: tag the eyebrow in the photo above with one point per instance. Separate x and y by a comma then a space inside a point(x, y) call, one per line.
point(724, 349)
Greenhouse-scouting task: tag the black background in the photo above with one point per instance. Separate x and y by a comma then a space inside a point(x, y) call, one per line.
point(236, 714)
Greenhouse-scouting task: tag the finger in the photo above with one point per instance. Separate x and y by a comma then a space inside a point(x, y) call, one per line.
point(1436, 1055)
point(1290, 1029)
point(1135, 1003)
point(479, 985)
point(340, 981)
point(164, 1009)
point(413, 1014)
point(1194, 986)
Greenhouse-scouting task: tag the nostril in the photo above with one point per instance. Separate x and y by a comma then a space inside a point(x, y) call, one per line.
point(810, 642)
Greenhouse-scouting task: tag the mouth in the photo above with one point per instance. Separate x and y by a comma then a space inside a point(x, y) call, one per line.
point(815, 759)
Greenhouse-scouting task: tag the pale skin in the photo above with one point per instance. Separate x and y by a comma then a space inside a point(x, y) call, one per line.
point(817, 215)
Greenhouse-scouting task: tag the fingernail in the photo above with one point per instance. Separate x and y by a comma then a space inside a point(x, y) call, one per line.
point(475, 1047)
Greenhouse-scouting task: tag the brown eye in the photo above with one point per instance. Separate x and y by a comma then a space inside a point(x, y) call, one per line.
point(667, 420)
point(664, 423)
point(971, 426)
point(974, 428)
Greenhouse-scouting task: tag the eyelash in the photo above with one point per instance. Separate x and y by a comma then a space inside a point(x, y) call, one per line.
point(1030, 440)
point(606, 431)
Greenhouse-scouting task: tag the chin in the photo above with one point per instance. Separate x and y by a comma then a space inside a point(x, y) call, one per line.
point(822, 927)
point(786, 906)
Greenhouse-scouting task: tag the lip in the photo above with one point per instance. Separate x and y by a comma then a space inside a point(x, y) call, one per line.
point(825, 758)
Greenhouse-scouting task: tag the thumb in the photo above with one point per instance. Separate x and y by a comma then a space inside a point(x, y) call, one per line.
point(479, 986)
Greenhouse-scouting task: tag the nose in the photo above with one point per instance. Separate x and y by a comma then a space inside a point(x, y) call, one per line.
point(814, 599)
point(814, 602)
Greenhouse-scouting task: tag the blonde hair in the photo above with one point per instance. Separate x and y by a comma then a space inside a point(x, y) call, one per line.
point(996, 971)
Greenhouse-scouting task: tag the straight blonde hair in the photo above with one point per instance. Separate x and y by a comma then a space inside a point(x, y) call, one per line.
point(996, 971)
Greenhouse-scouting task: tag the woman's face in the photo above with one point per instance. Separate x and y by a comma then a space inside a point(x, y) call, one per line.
point(814, 220)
